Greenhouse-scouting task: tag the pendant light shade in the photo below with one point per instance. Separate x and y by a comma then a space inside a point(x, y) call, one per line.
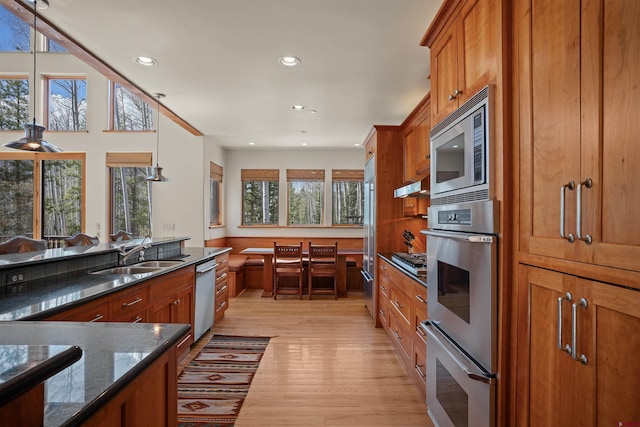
point(34, 139)
point(156, 172)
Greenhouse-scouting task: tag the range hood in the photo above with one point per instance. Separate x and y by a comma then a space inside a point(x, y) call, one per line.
point(415, 189)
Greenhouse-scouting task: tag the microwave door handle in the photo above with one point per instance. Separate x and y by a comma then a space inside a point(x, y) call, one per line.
point(446, 344)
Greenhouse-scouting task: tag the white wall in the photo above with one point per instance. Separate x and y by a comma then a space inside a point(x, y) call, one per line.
point(179, 202)
point(302, 158)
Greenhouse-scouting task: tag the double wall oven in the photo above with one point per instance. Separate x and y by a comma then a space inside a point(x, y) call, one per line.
point(462, 245)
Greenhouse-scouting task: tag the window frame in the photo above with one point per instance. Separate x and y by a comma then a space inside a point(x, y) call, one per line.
point(306, 175)
point(120, 160)
point(259, 175)
point(37, 158)
point(216, 174)
point(46, 81)
point(345, 175)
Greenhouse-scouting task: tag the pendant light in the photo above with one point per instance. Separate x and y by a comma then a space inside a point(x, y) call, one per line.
point(156, 175)
point(33, 139)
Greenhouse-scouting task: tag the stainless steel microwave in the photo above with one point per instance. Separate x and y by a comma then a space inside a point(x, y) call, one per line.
point(460, 152)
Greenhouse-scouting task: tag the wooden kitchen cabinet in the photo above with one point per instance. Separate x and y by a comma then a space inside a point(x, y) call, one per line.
point(130, 305)
point(94, 311)
point(463, 42)
point(383, 293)
point(580, 90)
point(555, 389)
point(222, 286)
point(416, 146)
point(172, 301)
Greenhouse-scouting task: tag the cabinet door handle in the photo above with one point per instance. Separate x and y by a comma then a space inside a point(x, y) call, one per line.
point(574, 331)
point(176, 302)
point(566, 348)
point(420, 372)
point(419, 298)
point(398, 337)
point(570, 185)
point(454, 95)
point(134, 302)
point(587, 238)
point(137, 320)
point(97, 317)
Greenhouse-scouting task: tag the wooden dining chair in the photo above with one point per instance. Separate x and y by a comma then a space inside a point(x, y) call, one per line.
point(287, 265)
point(323, 264)
point(81, 239)
point(22, 244)
point(120, 235)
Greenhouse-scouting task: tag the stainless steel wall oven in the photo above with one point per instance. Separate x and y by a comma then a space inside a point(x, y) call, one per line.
point(462, 306)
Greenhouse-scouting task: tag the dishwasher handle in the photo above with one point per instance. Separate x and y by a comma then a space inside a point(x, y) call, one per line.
point(204, 268)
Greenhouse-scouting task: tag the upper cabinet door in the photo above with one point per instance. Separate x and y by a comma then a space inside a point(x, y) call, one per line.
point(463, 56)
point(579, 101)
point(610, 132)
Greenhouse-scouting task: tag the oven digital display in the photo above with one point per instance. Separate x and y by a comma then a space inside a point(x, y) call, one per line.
point(457, 216)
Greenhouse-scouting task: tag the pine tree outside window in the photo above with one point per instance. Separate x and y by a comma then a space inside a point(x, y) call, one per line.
point(347, 196)
point(14, 102)
point(260, 196)
point(306, 196)
point(129, 112)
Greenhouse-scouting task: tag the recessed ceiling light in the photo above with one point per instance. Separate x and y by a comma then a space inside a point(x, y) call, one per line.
point(252, 143)
point(313, 111)
point(357, 144)
point(304, 143)
point(146, 61)
point(298, 107)
point(289, 61)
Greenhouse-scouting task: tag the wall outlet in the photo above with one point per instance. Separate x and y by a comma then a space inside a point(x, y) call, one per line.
point(168, 226)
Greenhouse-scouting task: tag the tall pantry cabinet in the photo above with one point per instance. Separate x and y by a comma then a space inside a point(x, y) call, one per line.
point(576, 106)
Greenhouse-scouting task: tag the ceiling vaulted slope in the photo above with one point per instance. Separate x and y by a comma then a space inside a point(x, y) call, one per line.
point(218, 62)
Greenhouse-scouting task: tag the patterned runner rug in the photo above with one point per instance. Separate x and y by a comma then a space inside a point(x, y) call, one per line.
point(213, 386)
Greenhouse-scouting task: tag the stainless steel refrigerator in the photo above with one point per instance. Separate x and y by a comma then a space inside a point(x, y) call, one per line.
point(369, 238)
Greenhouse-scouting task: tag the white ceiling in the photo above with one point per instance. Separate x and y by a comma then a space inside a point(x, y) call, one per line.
point(218, 62)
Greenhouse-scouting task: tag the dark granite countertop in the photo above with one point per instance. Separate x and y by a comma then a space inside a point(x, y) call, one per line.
point(388, 257)
point(53, 294)
point(24, 367)
point(112, 355)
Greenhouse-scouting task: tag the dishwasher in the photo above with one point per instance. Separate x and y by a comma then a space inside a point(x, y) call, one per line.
point(204, 298)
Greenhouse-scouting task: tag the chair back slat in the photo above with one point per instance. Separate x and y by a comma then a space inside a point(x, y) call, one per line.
point(22, 244)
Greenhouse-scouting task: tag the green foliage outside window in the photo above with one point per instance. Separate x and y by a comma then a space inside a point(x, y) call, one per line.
point(131, 200)
point(260, 202)
point(129, 111)
point(62, 197)
point(16, 198)
point(14, 103)
point(348, 202)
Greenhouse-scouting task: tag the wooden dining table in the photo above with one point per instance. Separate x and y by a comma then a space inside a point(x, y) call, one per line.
point(267, 274)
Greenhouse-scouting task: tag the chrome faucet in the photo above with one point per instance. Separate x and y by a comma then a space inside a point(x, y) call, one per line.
point(126, 254)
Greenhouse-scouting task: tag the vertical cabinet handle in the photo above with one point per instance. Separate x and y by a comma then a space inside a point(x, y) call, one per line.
point(567, 347)
point(574, 330)
point(571, 186)
point(587, 238)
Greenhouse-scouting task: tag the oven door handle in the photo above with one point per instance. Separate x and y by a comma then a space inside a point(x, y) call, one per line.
point(472, 238)
point(456, 355)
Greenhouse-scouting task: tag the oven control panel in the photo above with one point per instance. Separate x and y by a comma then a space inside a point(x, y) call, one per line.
point(455, 216)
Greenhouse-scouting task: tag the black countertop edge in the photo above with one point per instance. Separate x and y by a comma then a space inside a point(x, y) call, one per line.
point(95, 405)
point(388, 257)
point(190, 256)
point(32, 377)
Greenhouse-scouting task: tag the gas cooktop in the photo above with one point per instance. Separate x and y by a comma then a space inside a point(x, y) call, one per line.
point(415, 263)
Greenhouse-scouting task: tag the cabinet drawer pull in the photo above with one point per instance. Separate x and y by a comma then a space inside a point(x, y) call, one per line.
point(420, 372)
point(137, 320)
point(397, 304)
point(222, 276)
point(397, 334)
point(588, 183)
point(383, 288)
point(97, 317)
point(134, 302)
point(381, 311)
point(565, 348)
point(571, 186)
point(421, 332)
point(222, 289)
point(419, 298)
point(574, 331)
point(221, 305)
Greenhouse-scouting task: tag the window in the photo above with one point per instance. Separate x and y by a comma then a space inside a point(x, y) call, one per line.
point(14, 103)
point(260, 198)
point(67, 103)
point(128, 112)
point(42, 195)
point(215, 194)
point(306, 196)
point(347, 196)
point(53, 46)
point(14, 33)
point(130, 192)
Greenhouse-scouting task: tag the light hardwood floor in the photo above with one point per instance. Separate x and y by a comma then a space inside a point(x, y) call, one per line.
point(325, 365)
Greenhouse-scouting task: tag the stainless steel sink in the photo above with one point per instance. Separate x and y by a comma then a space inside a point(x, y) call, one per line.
point(134, 269)
point(160, 264)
